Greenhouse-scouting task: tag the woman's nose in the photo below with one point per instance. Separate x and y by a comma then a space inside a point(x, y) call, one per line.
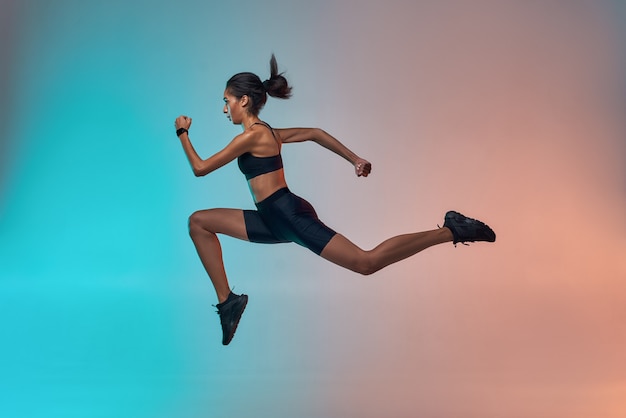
point(225, 108)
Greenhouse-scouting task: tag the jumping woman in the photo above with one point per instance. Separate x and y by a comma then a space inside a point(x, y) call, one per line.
point(282, 216)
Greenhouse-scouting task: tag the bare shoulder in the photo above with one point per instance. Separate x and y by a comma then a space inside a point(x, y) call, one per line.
point(243, 142)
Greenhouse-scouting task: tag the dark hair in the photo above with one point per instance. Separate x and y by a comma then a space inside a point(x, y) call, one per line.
point(249, 84)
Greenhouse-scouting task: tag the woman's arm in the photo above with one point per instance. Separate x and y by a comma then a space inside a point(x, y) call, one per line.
point(362, 167)
point(203, 167)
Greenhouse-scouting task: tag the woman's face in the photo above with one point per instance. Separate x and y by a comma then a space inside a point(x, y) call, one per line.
point(234, 108)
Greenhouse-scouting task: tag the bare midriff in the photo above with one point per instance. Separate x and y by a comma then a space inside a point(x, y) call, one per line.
point(265, 185)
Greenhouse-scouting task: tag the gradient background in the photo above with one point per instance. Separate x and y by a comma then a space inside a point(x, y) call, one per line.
point(509, 111)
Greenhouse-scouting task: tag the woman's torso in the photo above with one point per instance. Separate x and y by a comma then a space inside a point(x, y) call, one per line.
point(262, 165)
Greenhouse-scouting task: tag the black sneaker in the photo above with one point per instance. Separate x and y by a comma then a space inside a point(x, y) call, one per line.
point(466, 229)
point(230, 312)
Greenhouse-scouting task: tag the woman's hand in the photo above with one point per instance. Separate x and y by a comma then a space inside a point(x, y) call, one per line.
point(362, 167)
point(182, 122)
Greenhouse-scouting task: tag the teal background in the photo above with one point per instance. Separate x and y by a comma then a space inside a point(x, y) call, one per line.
point(106, 311)
point(508, 110)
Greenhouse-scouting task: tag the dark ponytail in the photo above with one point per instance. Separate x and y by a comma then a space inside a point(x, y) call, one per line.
point(249, 84)
point(277, 85)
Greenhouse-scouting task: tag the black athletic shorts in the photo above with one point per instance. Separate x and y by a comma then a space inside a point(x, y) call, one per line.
point(285, 217)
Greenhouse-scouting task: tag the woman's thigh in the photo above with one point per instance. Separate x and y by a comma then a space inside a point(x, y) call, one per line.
point(343, 252)
point(220, 221)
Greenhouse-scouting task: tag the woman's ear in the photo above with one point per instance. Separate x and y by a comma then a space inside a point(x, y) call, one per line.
point(244, 100)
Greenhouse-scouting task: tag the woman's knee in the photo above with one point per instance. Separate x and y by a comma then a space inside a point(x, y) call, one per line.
point(344, 253)
point(366, 265)
point(199, 222)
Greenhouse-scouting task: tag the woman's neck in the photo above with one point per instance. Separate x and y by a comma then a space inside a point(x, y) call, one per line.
point(248, 121)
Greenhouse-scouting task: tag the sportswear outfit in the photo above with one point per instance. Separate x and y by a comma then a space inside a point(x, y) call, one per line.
point(283, 216)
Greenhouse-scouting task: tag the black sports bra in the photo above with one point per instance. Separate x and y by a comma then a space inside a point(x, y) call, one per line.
point(252, 166)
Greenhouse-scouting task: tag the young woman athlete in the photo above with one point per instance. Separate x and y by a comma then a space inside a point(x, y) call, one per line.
point(281, 216)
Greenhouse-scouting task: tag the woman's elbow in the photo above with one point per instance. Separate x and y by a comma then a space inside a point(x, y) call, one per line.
point(317, 134)
point(199, 171)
